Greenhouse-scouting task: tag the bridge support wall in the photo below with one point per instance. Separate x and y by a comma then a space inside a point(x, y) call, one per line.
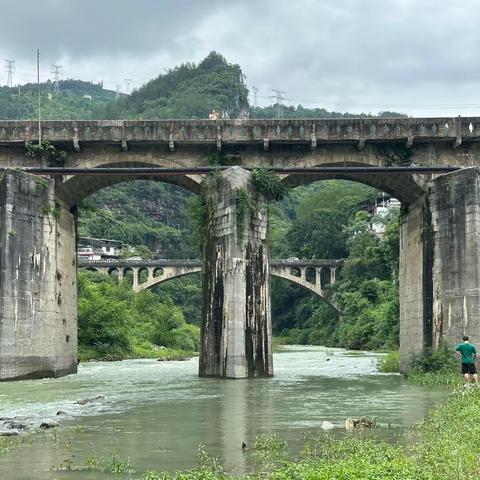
point(236, 324)
point(38, 331)
point(455, 204)
point(440, 265)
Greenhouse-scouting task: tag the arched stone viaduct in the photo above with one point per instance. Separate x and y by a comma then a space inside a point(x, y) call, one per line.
point(309, 274)
point(439, 245)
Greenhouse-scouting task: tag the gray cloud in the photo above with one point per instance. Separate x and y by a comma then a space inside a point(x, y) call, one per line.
point(342, 54)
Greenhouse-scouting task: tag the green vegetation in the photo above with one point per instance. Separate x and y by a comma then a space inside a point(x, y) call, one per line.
point(436, 367)
point(187, 91)
point(75, 100)
point(243, 209)
point(116, 323)
point(268, 183)
point(326, 221)
point(47, 153)
point(390, 363)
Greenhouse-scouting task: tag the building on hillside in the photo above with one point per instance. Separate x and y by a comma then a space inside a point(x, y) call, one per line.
point(379, 209)
point(98, 249)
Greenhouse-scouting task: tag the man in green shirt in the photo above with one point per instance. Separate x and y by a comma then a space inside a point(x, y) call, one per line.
point(468, 353)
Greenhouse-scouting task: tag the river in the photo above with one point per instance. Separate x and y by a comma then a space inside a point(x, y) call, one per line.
point(157, 413)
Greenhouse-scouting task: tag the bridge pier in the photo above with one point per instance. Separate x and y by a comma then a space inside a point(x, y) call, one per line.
point(236, 324)
point(440, 265)
point(38, 318)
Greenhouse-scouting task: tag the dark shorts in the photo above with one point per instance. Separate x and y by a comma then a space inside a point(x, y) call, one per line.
point(469, 368)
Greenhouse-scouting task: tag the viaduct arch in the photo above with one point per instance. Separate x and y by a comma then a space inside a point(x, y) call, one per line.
point(439, 238)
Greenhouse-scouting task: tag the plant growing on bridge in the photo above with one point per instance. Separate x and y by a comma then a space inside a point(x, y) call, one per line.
point(46, 152)
point(268, 183)
point(220, 159)
point(396, 155)
point(243, 207)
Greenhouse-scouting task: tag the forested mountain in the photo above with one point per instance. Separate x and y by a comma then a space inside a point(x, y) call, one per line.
point(187, 91)
point(320, 220)
point(74, 99)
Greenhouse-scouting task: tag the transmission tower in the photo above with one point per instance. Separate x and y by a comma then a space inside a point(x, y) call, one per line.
point(255, 93)
point(278, 99)
point(128, 81)
point(9, 70)
point(117, 91)
point(56, 72)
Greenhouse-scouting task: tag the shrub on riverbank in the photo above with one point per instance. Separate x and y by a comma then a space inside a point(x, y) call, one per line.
point(390, 363)
point(435, 367)
point(116, 323)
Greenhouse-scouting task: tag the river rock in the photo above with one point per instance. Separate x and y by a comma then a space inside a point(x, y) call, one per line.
point(327, 425)
point(46, 424)
point(61, 412)
point(16, 425)
point(84, 401)
point(363, 422)
point(9, 433)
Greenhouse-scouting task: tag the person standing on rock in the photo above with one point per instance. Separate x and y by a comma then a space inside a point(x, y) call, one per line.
point(468, 353)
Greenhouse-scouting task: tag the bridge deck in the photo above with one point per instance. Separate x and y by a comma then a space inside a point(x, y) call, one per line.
point(345, 130)
point(198, 263)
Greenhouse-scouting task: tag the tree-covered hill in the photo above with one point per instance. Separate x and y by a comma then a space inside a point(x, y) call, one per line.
point(74, 99)
point(187, 91)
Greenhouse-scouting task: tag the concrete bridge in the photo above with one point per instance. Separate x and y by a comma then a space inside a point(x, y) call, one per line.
point(439, 244)
point(312, 275)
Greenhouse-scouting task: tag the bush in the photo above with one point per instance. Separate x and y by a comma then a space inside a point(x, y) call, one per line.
point(390, 363)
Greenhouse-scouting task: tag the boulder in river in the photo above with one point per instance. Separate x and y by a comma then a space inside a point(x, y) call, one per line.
point(14, 425)
point(61, 412)
point(48, 423)
point(363, 422)
point(327, 425)
point(84, 401)
point(9, 433)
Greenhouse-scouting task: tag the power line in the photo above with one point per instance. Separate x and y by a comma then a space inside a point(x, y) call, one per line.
point(255, 98)
point(278, 99)
point(10, 70)
point(57, 72)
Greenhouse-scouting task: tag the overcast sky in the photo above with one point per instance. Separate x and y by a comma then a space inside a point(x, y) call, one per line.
point(421, 57)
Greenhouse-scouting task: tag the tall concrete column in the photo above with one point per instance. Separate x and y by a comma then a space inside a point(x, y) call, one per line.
point(440, 265)
point(236, 322)
point(38, 324)
point(455, 205)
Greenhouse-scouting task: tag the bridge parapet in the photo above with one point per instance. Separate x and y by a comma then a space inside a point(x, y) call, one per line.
point(311, 131)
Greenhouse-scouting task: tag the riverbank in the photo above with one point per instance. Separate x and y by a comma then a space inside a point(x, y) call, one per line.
point(139, 351)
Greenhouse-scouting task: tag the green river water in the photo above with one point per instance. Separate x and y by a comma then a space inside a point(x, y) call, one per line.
point(157, 413)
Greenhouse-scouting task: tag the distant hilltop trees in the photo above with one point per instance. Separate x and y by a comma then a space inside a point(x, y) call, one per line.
point(187, 91)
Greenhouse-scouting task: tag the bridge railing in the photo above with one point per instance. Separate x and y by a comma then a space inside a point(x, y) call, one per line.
point(245, 131)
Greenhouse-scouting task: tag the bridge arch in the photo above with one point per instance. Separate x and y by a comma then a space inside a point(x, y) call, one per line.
point(406, 187)
point(75, 188)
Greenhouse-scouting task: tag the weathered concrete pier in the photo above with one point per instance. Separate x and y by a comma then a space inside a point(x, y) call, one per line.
point(439, 250)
